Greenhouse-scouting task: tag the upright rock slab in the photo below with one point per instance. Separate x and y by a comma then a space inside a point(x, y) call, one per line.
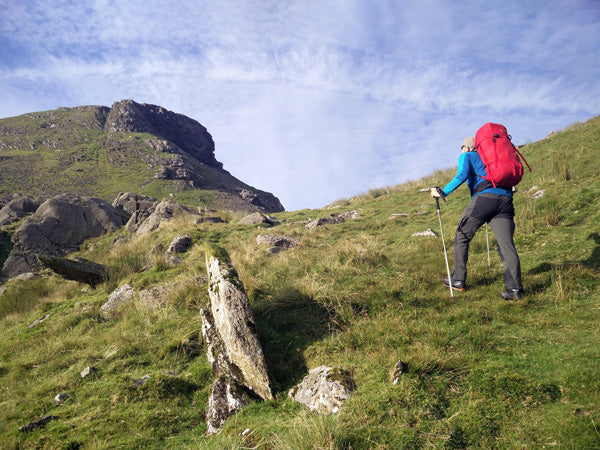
point(234, 323)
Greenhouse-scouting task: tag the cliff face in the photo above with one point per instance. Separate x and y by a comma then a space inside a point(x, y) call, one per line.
point(130, 147)
point(189, 135)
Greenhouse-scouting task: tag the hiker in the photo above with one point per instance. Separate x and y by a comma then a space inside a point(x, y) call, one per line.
point(489, 204)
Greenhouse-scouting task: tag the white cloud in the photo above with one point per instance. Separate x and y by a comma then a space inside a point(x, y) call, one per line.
point(314, 101)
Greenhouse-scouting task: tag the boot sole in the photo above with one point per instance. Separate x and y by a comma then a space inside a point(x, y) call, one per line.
point(455, 288)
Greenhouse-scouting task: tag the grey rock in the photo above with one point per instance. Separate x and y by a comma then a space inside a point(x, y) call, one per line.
point(157, 297)
point(324, 389)
point(325, 221)
point(427, 233)
point(59, 226)
point(27, 276)
point(164, 212)
point(61, 398)
point(234, 322)
point(40, 423)
point(209, 219)
point(185, 133)
point(216, 353)
point(19, 206)
point(78, 269)
point(141, 381)
point(180, 244)
point(350, 215)
point(278, 241)
point(539, 194)
point(88, 371)
point(35, 323)
point(139, 207)
point(257, 219)
point(226, 398)
point(399, 368)
point(118, 298)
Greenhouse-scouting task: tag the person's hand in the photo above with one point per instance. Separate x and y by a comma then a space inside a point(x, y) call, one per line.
point(437, 192)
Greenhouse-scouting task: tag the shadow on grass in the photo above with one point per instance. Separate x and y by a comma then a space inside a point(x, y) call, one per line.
point(287, 324)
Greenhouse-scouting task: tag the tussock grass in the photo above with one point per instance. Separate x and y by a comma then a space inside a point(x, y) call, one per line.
point(481, 372)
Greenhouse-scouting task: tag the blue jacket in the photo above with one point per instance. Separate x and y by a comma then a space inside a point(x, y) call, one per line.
point(469, 169)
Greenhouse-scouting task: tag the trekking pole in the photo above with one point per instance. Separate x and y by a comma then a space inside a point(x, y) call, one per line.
point(487, 239)
point(437, 205)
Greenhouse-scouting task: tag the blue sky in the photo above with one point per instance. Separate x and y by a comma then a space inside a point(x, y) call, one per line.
point(314, 100)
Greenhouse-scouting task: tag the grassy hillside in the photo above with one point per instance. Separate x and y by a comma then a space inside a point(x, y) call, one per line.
point(67, 150)
point(482, 372)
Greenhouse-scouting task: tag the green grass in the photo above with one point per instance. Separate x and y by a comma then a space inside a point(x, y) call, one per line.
point(67, 150)
point(482, 372)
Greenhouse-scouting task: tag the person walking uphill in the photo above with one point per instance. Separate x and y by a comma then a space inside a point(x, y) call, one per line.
point(489, 204)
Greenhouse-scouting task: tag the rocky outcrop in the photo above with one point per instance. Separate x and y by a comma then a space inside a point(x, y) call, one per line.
point(79, 269)
point(333, 219)
point(232, 345)
point(324, 389)
point(163, 212)
point(257, 218)
point(58, 227)
point(139, 207)
point(119, 297)
point(187, 134)
point(180, 244)
point(19, 206)
point(277, 243)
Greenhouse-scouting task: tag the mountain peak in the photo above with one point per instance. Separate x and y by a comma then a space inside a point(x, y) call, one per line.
point(186, 133)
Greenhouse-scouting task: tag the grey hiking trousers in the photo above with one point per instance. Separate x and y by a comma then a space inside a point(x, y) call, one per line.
point(499, 212)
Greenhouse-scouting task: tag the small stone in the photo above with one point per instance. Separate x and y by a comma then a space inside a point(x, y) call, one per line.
point(398, 369)
point(397, 216)
point(61, 398)
point(539, 194)
point(427, 233)
point(35, 323)
point(88, 371)
point(141, 381)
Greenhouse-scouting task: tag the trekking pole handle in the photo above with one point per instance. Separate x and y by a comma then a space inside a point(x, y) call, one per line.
point(437, 199)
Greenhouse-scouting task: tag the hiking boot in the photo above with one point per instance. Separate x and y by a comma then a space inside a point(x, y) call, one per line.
point(458, 285)
point(512, 294)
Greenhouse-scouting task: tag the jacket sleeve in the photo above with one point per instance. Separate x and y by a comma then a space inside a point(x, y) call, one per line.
point(462, 173)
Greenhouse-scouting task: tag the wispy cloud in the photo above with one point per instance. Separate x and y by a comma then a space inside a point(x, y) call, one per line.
point(314, 100)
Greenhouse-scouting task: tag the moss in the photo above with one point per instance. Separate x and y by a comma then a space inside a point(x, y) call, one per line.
point(341, 376)
point(213, 250)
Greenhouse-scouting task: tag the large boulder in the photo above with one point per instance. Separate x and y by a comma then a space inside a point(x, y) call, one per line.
point(19, 206)
point(59, 226)
point(234, 322)
point(232, 345)
point(77, 269)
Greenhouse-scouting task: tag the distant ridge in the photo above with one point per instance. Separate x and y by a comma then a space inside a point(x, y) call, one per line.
point(129, 147)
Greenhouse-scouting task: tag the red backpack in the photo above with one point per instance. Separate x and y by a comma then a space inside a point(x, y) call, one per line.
point(499, 156)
